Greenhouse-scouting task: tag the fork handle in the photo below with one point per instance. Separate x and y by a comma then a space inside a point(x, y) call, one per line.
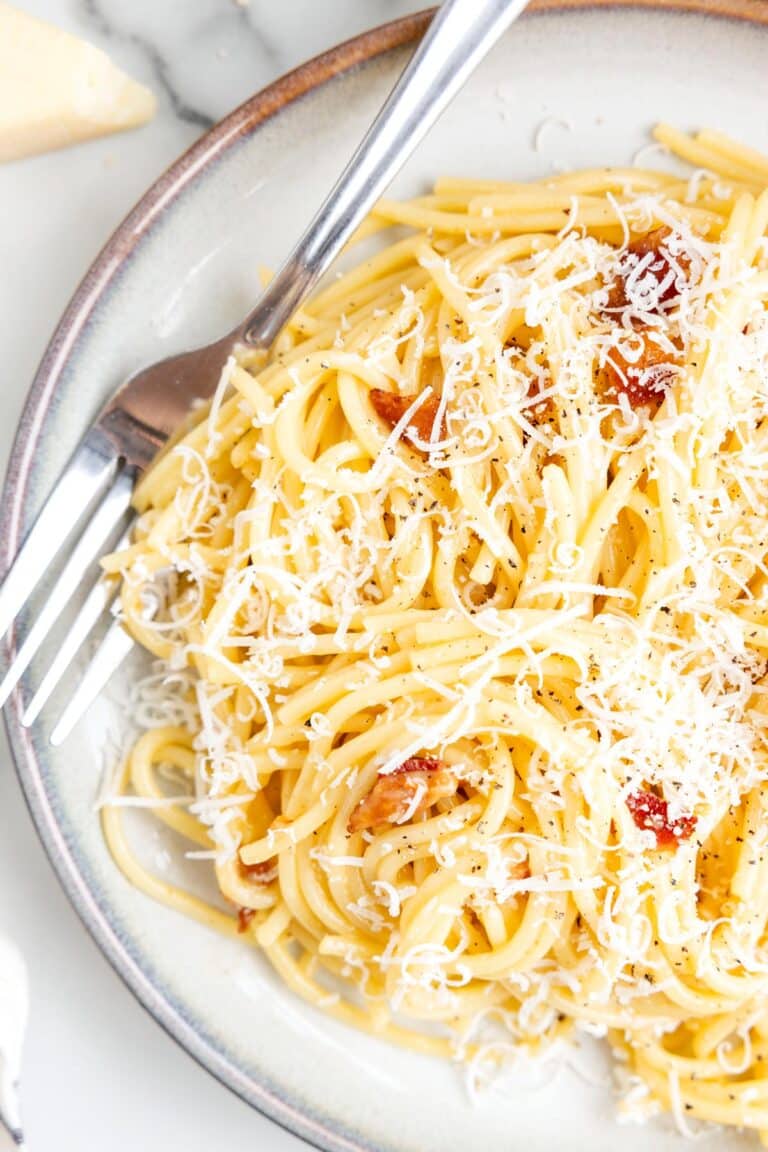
point(458, 38)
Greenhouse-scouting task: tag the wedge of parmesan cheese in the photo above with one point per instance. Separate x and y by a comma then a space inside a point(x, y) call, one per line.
point(56, 90)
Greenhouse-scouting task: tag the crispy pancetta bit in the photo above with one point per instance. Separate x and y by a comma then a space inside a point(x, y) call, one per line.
point(651, 813)
point(643, 372)
point(400, 796)
point(391, 407)
point(656, 271)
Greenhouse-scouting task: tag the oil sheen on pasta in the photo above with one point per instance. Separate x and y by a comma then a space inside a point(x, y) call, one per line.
point(470, 570)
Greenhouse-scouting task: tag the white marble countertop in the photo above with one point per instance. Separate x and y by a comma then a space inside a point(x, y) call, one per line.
point(98, 1072)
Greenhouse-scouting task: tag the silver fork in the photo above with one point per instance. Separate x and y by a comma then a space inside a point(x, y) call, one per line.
point(143, 413)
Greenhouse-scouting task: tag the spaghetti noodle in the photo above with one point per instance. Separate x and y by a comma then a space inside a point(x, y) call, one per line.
point(471, 572)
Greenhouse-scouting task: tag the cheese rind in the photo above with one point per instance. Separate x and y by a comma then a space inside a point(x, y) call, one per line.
point(56, 90)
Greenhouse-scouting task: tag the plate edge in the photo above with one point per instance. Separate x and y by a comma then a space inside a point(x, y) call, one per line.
point(244, 120)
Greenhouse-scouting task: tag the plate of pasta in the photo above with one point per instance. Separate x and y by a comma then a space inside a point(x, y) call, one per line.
point(433, 804)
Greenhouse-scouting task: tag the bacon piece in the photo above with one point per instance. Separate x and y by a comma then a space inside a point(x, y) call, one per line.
point(392, 407)
point(644, 378)
point(244, 917)
point(663, 267)
point(419, 764)
point(414, 786)
point(651, 813)
point(262, 872)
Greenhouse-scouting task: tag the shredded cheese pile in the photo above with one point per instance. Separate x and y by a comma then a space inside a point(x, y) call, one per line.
point(470, 570)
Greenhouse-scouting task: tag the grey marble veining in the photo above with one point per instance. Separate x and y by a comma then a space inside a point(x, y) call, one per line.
point(205, 58)
point(99, 20)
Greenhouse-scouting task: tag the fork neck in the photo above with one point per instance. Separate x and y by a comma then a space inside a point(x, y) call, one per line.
point(459, 36)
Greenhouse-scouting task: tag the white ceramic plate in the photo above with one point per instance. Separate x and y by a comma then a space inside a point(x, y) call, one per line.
point(182, 269)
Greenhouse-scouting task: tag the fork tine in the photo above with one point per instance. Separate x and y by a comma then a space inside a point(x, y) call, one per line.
point(85, 477)
point(96, 602)
point(106, 517)
point(109, 656)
